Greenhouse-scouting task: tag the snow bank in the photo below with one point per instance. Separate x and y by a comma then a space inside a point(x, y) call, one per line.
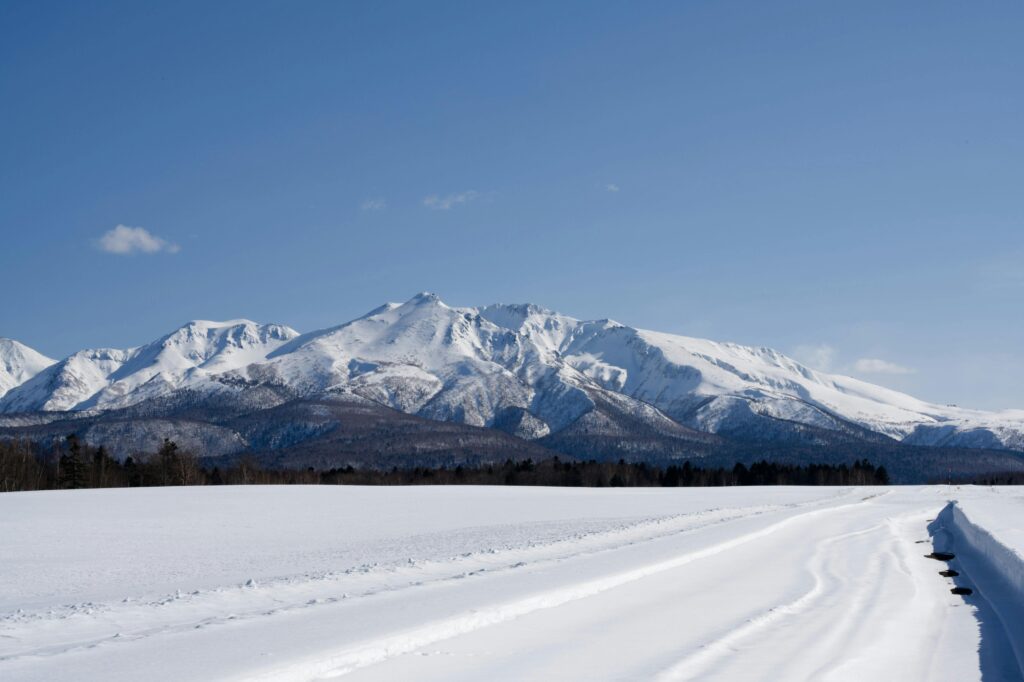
point(988, 535)
point(997, 533)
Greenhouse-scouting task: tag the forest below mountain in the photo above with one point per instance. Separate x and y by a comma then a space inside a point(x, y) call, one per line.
point(77, 465)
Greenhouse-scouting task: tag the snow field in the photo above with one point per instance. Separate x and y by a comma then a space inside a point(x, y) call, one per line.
point(303, 583)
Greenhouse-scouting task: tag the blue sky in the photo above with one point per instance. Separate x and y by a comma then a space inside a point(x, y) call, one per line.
point(842, 181)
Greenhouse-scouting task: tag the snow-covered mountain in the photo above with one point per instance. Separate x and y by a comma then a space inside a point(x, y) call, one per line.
point(519, 368)
point(19, 363)
point(106, 378)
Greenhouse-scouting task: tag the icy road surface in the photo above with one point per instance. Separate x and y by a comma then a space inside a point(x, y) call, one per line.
point(470, 583)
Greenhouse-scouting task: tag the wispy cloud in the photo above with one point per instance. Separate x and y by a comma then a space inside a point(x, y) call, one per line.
point(878, 366)
point(125, 241)
point(449, 201)
point(611, 187)
point(373, 205)
point(816, 356)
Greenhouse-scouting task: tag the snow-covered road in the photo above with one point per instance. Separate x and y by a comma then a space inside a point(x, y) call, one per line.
point(497, 583)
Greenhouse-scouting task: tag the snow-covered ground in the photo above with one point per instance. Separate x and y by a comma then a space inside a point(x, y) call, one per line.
point(304, 583)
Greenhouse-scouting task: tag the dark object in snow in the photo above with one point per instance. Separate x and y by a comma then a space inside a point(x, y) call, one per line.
point(941, 556)
point(962, 590)
point(949, 573)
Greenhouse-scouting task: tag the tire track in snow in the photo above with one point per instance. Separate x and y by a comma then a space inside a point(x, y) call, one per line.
point(841, 612)
point(698, 663)
point(854, 632)
point(903, 624)
point(382, 648)
point(856, 617)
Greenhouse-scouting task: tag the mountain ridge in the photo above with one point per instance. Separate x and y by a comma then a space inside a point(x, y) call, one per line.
point(519, 368)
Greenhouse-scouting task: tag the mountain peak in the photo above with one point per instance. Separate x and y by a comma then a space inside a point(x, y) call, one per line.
point(425, 298)
point(19, 363)
point(213, 324)
point(480, 365)
point(11, 348)
point(13, 344)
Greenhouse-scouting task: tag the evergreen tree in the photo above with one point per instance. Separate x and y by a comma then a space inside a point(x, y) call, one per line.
point(72, 468)
point(102, 467)
point(167, 460)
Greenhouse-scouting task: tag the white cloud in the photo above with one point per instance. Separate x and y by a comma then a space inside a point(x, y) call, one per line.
point(439, 203)
point(816, 356)
point(611, 187)
point(374, 205)
point(125, 241)
point(877, 366)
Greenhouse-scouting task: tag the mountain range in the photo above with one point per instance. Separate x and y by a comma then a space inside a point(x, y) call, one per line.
point(422, 380)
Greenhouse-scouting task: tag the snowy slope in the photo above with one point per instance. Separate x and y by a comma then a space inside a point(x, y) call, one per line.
point(471, 364)
point(112, 378)
point(444, 363)
point(471, 583)
point(19, 363)
point(521, 368)
point(680, 374)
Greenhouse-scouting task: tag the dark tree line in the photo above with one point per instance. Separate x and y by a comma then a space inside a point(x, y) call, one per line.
point(74, 464)
point(1005, 478)
point(621, 474)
